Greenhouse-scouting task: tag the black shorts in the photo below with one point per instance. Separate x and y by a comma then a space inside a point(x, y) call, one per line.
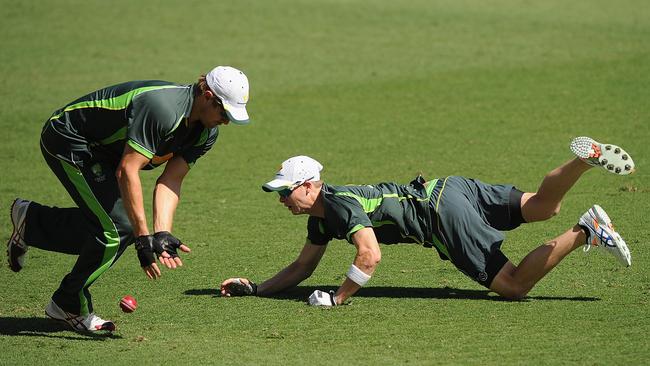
point(469, 217)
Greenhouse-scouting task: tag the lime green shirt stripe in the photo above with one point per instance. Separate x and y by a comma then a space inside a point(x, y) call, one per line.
point(430, 186)
point(354, 230)
point(110, 231)
point(121, 135)
point(148, 154)
point(441, 247)
point(115, 103)
point(368, 204)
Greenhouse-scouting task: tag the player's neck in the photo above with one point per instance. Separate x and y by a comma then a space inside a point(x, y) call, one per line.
point(317, 209)
point(194, 115)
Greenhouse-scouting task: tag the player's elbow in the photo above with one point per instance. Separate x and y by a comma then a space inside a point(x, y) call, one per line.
point(119, 173)
point(123, 172)
point(369, 259)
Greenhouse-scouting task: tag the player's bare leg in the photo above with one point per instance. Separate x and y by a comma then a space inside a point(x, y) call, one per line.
point(546, 202)
point(514, 282)
point(594, 228)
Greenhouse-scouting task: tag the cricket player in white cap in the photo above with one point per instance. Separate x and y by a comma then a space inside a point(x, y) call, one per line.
point(96, 146)
point(461, 218)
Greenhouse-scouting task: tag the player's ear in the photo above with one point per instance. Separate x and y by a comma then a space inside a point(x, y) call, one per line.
point(208, 94)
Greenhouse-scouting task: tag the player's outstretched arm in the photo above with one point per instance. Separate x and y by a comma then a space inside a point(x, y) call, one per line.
point(128, 178)
point(293, 274)
point(366, 260)
point(166, 196)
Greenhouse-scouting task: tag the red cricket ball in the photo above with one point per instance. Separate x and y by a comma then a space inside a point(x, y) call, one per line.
point(128, 304)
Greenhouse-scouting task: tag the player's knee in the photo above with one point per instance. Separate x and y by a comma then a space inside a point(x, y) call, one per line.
point(556, 209)
point(517, 294)
point(513, 291)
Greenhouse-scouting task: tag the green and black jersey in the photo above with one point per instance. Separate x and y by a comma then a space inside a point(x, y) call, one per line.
point(397, 213)
point(150, 116)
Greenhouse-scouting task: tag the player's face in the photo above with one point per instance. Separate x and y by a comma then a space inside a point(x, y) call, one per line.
point(213, 113)
point(297, 200)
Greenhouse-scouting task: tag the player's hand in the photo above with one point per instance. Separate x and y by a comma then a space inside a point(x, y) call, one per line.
point(166, 247)
point(238, 287)
point(144, 247)
point(322, 298)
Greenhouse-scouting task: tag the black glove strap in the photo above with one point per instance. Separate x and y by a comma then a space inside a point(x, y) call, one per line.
point(144, 247)
point(332, 293)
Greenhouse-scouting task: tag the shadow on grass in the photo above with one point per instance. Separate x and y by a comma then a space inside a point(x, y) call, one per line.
point(301, 293)
point(48, 328)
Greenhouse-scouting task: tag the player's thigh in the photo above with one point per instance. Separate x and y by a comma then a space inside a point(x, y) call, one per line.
point(534, 208)
point(473, 244)
point(500, 204)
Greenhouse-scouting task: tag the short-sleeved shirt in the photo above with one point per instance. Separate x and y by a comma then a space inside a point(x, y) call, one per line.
point(465, 214)
point(397, 213)
point(151, 116)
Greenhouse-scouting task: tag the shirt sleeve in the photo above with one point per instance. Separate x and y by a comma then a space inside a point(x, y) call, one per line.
point(317, 232)
point(150, 121)
point(346, 215)
point(202, 146)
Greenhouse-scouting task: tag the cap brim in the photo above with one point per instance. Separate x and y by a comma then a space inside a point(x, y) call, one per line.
point(237, 115)
point(277, 185)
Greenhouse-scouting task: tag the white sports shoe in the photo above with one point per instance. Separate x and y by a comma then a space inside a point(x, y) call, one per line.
point(607, 156)
point(16, 246)
point(91, 322)
point(603, 235)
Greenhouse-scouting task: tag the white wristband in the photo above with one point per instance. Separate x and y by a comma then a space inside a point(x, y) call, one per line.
point(357, 276)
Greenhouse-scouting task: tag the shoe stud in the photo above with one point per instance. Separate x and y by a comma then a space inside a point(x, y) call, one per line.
point(608, 147)
point(617, 170)
point(604, 162)
point(610, 167)
point(627, 167)
point(624, 157)
point(617, 150)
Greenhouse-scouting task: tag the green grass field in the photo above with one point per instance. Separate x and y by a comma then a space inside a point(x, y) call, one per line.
point(377, 91)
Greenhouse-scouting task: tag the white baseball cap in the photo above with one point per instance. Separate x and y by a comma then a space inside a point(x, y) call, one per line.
point(231, 86)
point(294, 172)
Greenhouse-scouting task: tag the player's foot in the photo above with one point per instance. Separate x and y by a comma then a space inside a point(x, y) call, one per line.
point(16, 246)
point(600, 233)
point(90, 322)
point(607, 156)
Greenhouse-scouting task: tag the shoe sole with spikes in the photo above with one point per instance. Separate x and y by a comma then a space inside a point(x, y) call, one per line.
point(607, 156)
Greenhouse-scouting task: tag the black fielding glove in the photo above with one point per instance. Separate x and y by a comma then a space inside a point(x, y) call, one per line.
point(164, 241)
point(239, 288)
point(144, 246)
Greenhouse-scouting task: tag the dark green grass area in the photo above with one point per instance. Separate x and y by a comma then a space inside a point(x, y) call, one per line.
point(376, 91)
